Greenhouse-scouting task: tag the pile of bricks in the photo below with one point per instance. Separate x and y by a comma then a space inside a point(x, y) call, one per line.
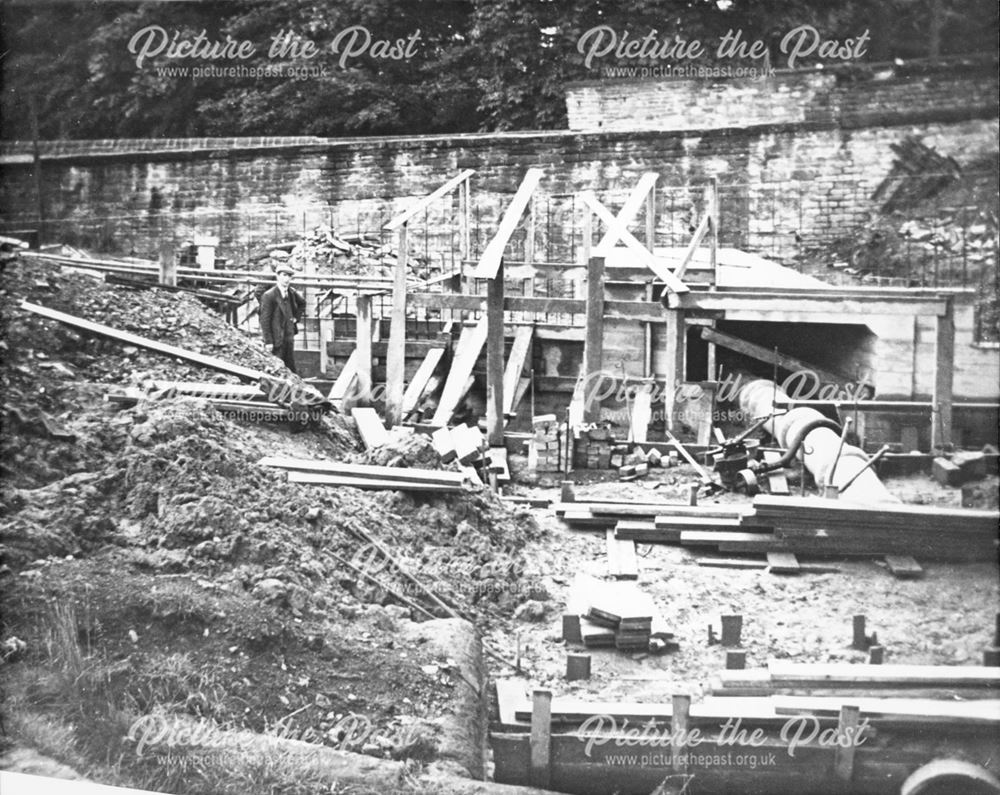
point(543, 451)
point(593, 448)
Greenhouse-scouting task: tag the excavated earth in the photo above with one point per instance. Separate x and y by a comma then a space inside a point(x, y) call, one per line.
point(151, 566)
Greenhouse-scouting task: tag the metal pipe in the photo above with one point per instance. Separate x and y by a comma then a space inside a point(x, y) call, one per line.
point(819, 446)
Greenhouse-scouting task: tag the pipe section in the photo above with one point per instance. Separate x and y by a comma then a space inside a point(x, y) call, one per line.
point(819, 446)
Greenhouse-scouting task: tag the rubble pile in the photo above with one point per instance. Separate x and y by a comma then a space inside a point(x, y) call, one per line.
point(322, 251)
point(173, 481)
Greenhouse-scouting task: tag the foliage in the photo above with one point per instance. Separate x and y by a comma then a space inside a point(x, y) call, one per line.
point(476, 64)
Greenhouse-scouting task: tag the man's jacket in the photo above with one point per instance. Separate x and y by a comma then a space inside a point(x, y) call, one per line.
point(275, 321)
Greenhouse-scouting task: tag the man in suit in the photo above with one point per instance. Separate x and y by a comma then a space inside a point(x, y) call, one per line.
point(281, 309)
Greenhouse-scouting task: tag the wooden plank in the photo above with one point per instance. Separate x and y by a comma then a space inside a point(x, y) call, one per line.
point(211, 362)
point(207, 389)
point(673, 284)
point(443, 444)
point(421, 204)
point(470, 345)
point(370, 427)
point(345, 380)
point(593, 346)
point(731, 563)
point(622, 561)
point(519, 393)
point(468, 443)
point(489, 262)
point(635, 200)
point(908, 710)
point(652, 509)
point(511, 693)
point(904, 567)
point(784, 674)
point(320, 479)
point(494, 358)
point(852, 513)
point(417, 385)
point(395, 362)
point(497, 458)
point(763, 354)
point(371, 471)
point(696, 238)
point(515, 366)
point(749, 305)
point(783, 563)
point(776, 481)
point(680, 448)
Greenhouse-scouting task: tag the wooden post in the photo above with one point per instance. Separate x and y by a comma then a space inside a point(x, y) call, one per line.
point(875, 655)
point(168, 264)
point(647, 348)
point(325, 338)
point(860, 639)
point(651, 219)
point(396, 353)
point(363, 346)
point(732, 628)
point(494, 358)
point(693, 493)
point(577, 667)
point(736, 660)
point(944, 375)
point(593, 346)
point(680, 712)
point(713, 224)
point(675, 363)
point(566, 491)
point(539, 770)
point(843, 755)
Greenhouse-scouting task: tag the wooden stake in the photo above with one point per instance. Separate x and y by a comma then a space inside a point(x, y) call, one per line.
point(732, 628)
point(860, 640)
point(566, 491)
point(736, 660)
point(577, 667)
point(168, 264)
point(681, 709)
point(843, 758)
point(396, 354)
point(494, 358)
point(693, 494)
point(944, 376)
point(539, 771)
point(875, 655)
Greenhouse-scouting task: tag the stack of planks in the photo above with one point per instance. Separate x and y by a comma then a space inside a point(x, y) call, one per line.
point(612, 614)
point(365, 476)
point(780, 527)
point(818, 526)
